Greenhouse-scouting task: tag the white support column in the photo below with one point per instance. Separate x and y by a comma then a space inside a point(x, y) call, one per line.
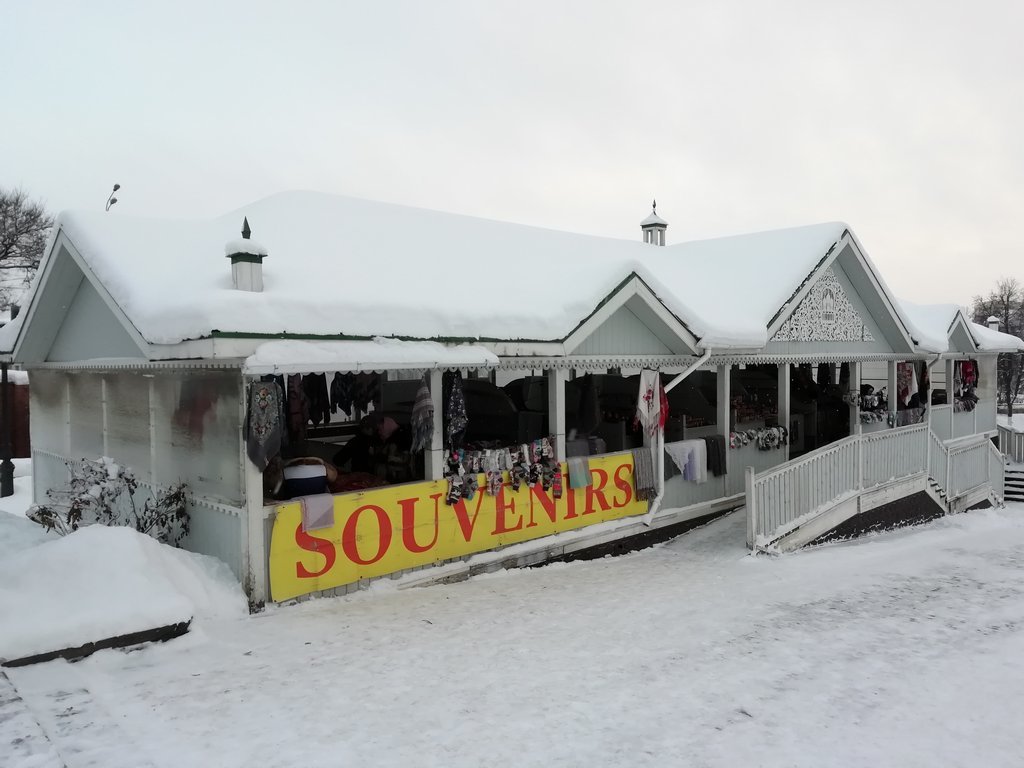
point(154, 463)
point(67, 415)
point(434, 456)
point(950, 365)
point(855, 426)
point(106, 414)
point(557, 378)
point(254, 541)
point(891, 387)
point(724, 410)
point(784, 397)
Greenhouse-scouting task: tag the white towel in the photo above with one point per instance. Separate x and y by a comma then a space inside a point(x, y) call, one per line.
point(680, 451)
point(317, 511)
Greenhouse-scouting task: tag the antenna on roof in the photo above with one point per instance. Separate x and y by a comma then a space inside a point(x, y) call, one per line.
point(111, 200)
point(245, 228)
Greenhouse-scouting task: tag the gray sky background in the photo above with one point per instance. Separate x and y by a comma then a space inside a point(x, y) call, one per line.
point(903, 118)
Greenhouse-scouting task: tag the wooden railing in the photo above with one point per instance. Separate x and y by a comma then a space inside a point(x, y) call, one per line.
point(785, 497)
point(938, 462)
point(1011, 442)
point(777, 498)
point(997, 472)
point(891, 455)
point(968, 467)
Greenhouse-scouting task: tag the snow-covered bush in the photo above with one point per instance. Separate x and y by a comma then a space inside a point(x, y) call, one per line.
point(102, 492)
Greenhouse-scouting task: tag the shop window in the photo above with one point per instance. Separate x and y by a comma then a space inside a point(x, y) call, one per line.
point(754, 396)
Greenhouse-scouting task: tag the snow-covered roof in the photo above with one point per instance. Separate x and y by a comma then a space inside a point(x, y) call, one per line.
point(995, 341)
point(341, 266)
point(930, 323)
point(653, 219)
point(246, 246)
point(295, 356)
point(9, 335)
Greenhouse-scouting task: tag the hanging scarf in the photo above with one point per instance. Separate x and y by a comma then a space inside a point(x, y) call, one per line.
point(422, 418)
point(643, 474)
point(456, 409)
point(264, 424)
point(652, 403)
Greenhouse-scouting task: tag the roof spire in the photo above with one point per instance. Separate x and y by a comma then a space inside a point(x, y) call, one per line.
point(245, 228)
point(654, 226)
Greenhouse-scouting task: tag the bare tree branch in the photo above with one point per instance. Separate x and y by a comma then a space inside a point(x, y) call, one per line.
point(24, 228)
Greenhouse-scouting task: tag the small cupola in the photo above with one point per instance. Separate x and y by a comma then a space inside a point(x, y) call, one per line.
point(993, 322)
point(654, 226)
point(246, 261)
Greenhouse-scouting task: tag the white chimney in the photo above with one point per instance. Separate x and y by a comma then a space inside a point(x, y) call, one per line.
point(993, 322)
point(654, 227)
point(246, 261)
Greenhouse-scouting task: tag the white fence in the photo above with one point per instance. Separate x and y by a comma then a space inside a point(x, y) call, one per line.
point(1011, 443)
point(783, 498)
point(997, 472)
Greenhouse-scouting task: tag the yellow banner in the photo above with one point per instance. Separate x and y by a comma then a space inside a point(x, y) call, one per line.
point(385, 530)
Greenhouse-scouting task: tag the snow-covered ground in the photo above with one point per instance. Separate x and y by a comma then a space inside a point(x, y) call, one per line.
point(901, 649)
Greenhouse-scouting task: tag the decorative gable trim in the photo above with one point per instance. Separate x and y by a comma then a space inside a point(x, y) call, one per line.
point(825, 314)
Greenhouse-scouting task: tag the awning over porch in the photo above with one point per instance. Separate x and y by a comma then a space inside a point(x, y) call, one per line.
point(378, 354)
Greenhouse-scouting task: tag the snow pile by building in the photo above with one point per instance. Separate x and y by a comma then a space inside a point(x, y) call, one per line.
point(101, 582)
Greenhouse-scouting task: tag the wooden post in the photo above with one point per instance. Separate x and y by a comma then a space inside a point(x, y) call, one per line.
point(255, 552)
point(891, 389)
point(784, 397)
point(105, 414)
point(724, 410)
point(557, 377)
point(950, 366)
point(434, 455)
point(6, 465)
point(855, 426)
point(748, 480)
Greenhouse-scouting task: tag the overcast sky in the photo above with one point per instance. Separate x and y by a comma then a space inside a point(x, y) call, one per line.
point(903, 118)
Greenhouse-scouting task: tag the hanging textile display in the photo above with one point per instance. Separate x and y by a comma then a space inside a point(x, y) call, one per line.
point(579, 471)
point(298, 408)
point(906, 383)
point(315, 387)
point(652, 403)
point(455, 409)
point(765, 438)
point(533, 464)
point(365, 390)
point(342, 386)
point(422, 419)
point(264, 422)
point(643, 474)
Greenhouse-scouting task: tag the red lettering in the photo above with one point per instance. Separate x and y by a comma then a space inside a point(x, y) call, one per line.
point(384, 532)
point(623, 484)
point(500, 508)
point(596, 491)
point(570, 498)
point(546, 501)
point(314, 544)
point(462, 516)
point(409, 524)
